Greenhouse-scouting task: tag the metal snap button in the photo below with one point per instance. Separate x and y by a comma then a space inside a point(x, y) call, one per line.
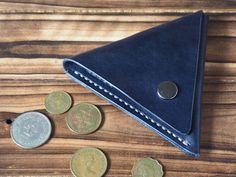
point(167, 90)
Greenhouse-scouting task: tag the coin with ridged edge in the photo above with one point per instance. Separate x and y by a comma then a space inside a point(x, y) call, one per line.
point(88, 162)
point(58, 102)
point(84, 118)
point(30, 130)
point(147, 167)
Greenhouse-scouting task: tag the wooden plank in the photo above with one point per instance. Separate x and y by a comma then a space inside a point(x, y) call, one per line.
point(108, 18)
point(130, 3)
point(36, 35)
point(54, 66)
point(88, 31)
point(219, 49)
point(117, 7)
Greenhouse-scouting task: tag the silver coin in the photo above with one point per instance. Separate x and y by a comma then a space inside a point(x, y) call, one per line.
point(31, 130)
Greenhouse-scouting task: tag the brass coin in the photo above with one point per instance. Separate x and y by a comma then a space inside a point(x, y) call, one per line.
point(58, 102)
point(88, 162)
point(147, 167)
point(84, 118)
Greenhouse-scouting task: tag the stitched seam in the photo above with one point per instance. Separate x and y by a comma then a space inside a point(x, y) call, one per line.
point(185, 142)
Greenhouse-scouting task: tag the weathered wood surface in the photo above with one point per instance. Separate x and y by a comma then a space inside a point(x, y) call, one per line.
point(37, 35)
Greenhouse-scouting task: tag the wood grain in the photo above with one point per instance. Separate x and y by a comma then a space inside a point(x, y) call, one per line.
point(37, 35)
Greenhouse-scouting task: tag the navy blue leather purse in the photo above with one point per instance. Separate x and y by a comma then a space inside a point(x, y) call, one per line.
point(155, 76)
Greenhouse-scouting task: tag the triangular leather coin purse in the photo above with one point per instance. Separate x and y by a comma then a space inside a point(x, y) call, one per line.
point(155, 76)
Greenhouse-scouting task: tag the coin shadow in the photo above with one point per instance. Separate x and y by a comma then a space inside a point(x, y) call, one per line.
point(211, 88)
point(52, 124)
point(108, 163)
point(106, 154)
point(53, 128)
point(72, 100)
point(163, 168)
point(208, 118)
point(103, 116)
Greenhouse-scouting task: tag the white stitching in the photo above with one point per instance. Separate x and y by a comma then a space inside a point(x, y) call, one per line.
point(185, 142)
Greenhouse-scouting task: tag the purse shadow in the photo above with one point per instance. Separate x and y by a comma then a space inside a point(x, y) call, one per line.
point(214, 81)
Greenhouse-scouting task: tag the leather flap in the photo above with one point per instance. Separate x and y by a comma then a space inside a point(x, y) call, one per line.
point(127, 72)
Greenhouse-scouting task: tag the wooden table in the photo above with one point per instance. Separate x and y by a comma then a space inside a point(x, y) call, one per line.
point(37, 35)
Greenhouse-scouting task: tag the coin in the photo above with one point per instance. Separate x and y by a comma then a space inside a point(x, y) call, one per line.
point(30, 130)
point(58, 102)
point(147, 167)
point(84, 118)
point(88, 162)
